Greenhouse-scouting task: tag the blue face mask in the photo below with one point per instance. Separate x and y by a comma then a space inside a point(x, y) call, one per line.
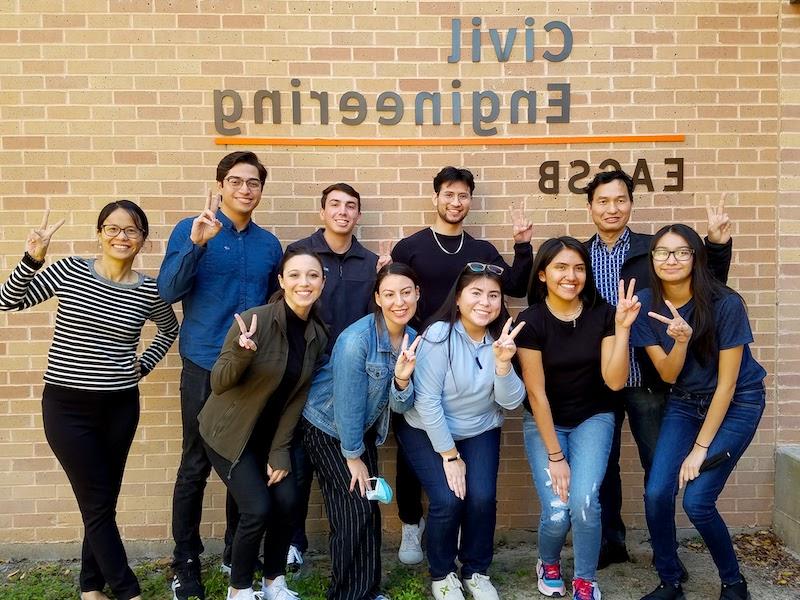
point(381, 491)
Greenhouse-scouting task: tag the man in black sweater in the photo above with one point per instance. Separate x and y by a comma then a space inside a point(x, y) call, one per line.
point(619, 253)
point(438, 254)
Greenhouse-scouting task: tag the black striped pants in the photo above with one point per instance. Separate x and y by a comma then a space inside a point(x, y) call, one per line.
point(355, 522)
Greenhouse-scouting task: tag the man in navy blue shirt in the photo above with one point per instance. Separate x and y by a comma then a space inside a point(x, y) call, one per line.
point(217, 264)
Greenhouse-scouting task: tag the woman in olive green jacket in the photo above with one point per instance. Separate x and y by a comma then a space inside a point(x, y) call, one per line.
point(259, 387)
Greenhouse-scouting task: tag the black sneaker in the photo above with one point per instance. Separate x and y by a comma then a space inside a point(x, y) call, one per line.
point(612, 553)
point(186, 582)
point(666, 591)
point(734, 591)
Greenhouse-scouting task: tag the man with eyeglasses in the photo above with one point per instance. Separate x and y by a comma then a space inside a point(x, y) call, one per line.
point(619, 253)
point(438, 254)
point(217, 264)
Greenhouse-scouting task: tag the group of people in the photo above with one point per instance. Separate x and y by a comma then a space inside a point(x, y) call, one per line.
point(298, 363)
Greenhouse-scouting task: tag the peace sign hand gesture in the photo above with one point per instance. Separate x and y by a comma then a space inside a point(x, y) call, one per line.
point(39, 239)
point(523, 228)
point(244, 339)
point(406, 360)
point(206, 225)
point(504, 347)
point(384, 254)
point(628, 305)
point(677, 328)
point(719, 223)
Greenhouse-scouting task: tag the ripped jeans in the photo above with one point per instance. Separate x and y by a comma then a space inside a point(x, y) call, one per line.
point(586, 448)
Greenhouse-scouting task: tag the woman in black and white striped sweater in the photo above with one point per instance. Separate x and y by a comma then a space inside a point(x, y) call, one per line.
point(90, 403)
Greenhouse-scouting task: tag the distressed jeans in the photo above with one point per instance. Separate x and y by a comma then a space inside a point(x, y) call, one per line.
point(586, 448)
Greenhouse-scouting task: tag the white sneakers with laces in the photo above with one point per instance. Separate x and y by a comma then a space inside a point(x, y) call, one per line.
point(481, 587)
point(247, 594)
point(294, 559)
point(410, 552)
point(277, 590)
point(448, 588)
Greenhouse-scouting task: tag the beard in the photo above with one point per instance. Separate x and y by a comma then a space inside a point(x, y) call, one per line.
point(448, 219)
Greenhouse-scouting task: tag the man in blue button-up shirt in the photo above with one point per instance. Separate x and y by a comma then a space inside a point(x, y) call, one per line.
point(217, 264)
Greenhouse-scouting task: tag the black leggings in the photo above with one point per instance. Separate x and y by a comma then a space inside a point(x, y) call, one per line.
point(262, 509)
point(90, 434)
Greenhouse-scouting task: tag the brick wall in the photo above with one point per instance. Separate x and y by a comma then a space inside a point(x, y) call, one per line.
point(106, 99)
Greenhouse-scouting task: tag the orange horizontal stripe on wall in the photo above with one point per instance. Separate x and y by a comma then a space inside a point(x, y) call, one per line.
point(470, 141)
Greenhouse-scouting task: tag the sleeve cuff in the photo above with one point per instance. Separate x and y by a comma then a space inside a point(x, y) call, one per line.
point(279, 459)
point(353, 453)
point(31, 262)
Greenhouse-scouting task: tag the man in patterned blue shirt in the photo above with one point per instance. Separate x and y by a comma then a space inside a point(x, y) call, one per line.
point(217, 264)
point(619, 253)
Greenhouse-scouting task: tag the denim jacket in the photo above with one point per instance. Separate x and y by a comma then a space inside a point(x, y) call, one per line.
point(352, 391)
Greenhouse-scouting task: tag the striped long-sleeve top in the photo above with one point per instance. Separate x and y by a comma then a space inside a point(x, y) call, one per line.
point(98, 322)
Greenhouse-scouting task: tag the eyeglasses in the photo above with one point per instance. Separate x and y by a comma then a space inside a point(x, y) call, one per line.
point(477, 267)
point(131, 233)
point(236, 182)
point(450, 196)
point(680, 254)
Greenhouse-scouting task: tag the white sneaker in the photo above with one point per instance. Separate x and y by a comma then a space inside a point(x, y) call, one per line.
point(448, 588)
point(481, 588)
point(277, 590)
point(247, 594)
point(294, 559)
point(410, 552)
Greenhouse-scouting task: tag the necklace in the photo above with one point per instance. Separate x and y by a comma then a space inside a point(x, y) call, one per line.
point(565, 317)
point(438, 243)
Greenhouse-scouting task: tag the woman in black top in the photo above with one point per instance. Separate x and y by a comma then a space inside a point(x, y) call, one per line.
point(573, 350)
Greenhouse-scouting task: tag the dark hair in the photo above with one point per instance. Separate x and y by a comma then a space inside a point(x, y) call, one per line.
point(287, 256)
point(394, 268)
point(537, 291)
point(341, 187)
point(136, 213)
point(448, 312)
point(449, 174)
point(234, 158)
point(705, 291)
point(607, 177)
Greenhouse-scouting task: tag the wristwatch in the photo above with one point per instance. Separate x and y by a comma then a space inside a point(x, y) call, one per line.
point(453, 458)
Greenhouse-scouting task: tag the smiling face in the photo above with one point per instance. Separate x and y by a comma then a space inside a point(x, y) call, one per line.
point(452, 202)
point(302, 281)
point(479, 304)
point(121, 246)
point(242, 200)
point(340, 213)
point(610, 208)
point(565, 276)
point(672, 269)
point(397, 298)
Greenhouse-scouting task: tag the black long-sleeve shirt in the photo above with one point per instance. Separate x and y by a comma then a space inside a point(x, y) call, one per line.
point(438, 270)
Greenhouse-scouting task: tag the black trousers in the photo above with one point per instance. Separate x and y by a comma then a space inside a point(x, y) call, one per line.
point(355, 522)
point(262, 509)
point(408, 489)
point(91, 433)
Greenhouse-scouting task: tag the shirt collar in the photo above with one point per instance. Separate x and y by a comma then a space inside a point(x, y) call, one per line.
point(621, 242)
point(228, 224)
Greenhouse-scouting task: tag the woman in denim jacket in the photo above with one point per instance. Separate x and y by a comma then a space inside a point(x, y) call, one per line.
point(698, 337)
point(346, 418)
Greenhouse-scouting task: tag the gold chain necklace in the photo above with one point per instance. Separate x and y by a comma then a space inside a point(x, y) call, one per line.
point(565, 317)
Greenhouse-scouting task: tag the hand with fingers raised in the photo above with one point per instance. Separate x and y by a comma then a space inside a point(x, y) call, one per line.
point(406, 361)
point(504, 347)
point(245, 339)
point(523, 228)
point(206, 225)
point(628, 305)
point(39, 239)
point(677, 328)
point(719, 223)
point(384, 254)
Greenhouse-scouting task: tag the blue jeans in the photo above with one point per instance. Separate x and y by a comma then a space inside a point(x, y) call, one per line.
point(475, 515)
point(586, 449)
point(645, 408)
point(682, 421)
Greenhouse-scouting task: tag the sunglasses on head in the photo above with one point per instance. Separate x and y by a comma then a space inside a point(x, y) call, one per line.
point(477, 267)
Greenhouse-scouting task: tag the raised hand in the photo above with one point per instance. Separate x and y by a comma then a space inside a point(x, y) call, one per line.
point(523, 228)
point(677, 328)
point(628, 305)
point(406, 359)
point(206, 225)
point(719, 223)
point(384, 254)
point(39, 239)
point(245, 340)
point(504, 347)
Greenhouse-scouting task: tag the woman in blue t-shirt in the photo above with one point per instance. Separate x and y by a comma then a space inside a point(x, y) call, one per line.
point(573, 351)
point(697, 337)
